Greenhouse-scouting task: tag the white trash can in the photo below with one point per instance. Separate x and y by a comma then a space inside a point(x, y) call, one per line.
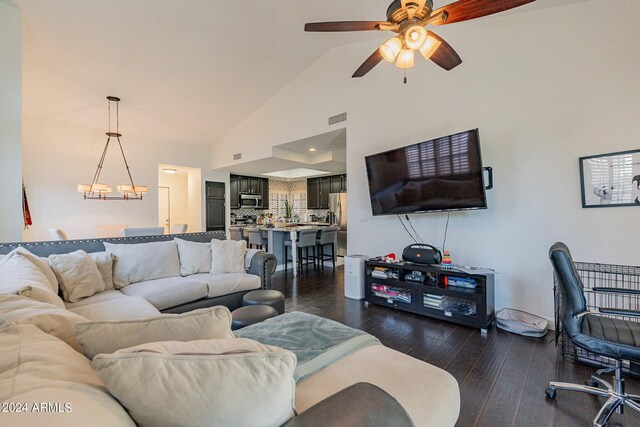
point(354, 276)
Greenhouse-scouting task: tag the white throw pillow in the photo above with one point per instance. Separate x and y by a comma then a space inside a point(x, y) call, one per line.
point(77, 274)
point(49, 318)
point(107, 336)
point(133, 263)
point(43, 265)
point(38, 368)
point(104, 261)
point(195, 257)
point(19, 275)
point(224, 382)
point(227, 256)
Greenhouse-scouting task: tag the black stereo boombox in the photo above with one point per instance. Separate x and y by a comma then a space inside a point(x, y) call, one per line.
point(421, 253)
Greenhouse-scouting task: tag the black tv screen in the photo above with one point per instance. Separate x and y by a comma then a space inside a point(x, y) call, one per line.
point(437, 175)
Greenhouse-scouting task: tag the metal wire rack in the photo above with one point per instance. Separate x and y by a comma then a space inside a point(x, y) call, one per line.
point(595, 275)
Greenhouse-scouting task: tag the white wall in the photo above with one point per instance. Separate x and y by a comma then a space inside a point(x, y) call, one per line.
point(11, 221)
point(58, 156)
point(544, 88)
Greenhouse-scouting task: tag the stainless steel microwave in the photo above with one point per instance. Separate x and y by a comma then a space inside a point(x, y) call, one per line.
point(250, 201)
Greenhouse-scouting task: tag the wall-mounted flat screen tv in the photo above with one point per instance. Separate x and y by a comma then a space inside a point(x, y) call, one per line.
point(438, 175)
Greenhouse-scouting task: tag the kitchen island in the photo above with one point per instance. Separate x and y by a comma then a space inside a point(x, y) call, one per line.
point(276, 236)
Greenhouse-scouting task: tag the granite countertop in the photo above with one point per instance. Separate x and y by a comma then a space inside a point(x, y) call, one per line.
point(292, 228)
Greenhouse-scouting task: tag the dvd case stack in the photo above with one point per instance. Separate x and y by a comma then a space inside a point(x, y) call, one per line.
point(434, 301)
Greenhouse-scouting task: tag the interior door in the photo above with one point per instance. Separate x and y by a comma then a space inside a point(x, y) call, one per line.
point(215, 203)
point(164, 208)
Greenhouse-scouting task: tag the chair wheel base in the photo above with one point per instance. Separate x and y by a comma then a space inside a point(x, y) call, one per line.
point(551, 392)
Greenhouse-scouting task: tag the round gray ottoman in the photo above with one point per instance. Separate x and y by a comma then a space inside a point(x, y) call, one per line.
point(268, 297)
point(245, 316)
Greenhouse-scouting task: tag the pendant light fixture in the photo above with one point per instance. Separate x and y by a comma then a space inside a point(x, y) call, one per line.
point(100, 191)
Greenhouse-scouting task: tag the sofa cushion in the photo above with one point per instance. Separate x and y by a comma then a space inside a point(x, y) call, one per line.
point(111, 335)
point(224, 382)
point(77, 274)
point(106, 295)
point(195, 257)
point(49, 318)
point(229, 283)
point(133, 263)
point(42, 264)
point(19, 275)
point(117, 309)
point(104, 262)
point(227, 256)
point(169, 292)
point(36, 367)
point(391, 371)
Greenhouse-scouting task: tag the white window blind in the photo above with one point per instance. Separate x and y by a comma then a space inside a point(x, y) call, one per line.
point(443, 156)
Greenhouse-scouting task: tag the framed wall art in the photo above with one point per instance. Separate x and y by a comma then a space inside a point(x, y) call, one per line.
point(610, 180)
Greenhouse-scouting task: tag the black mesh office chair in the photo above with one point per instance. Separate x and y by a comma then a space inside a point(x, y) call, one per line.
point(605, 336)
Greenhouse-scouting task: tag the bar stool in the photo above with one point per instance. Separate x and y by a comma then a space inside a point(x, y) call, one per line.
point(235, 233)
point(257, 237)
point(327, 237)
point(306, 240)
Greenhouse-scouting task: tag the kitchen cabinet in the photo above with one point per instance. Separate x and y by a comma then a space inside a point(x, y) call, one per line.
point(318, 190)
point(265, 193)
point(234, 192)
point(248, 185)
point(313, 193)
point(325, 189)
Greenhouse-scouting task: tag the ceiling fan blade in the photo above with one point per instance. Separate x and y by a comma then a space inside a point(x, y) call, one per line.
point(444, 55)
point(343, 26)
point(368, 65)
point(464, 10)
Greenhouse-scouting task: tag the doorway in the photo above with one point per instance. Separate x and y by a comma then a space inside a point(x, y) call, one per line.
point(164, 208)
point(179, 197)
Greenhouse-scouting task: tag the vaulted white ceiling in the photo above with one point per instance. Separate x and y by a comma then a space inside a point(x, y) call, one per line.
point(187, 71)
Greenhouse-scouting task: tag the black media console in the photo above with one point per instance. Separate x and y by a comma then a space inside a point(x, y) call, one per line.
point(449, 294)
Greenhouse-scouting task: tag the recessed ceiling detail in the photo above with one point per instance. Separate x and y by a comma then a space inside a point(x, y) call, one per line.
point(296, 173)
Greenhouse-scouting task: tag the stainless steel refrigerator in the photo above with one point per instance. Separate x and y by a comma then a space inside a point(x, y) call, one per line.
point(338, 216)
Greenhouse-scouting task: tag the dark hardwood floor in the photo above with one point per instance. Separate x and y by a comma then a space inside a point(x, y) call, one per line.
point(502, 376)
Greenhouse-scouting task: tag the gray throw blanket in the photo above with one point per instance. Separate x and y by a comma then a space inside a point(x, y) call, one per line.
point(317, 342)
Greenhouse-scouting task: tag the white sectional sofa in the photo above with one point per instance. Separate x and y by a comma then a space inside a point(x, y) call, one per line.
point(43, 359)
point(172, 293)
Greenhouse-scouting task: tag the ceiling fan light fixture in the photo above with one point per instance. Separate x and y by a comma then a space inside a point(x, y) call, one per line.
point(415, 37)
point(391, 49)
point(405, 59)
point(429, 47)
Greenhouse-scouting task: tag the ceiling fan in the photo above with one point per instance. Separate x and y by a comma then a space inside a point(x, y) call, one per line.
point(408, 19)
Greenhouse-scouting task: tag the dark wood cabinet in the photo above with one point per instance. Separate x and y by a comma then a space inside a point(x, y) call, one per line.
point(336, 183)
point(313, 193)
point(318, 190)
point(446, 294)
point(215, 206)
point(245, 183)
point(234, 192)
point(264, 193)
point(248, 185)
point(325, 189)
point(256, 185)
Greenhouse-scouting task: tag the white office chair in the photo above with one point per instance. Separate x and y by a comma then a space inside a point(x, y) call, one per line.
point(178, 229)
point(58, 234)
point(142, 231)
